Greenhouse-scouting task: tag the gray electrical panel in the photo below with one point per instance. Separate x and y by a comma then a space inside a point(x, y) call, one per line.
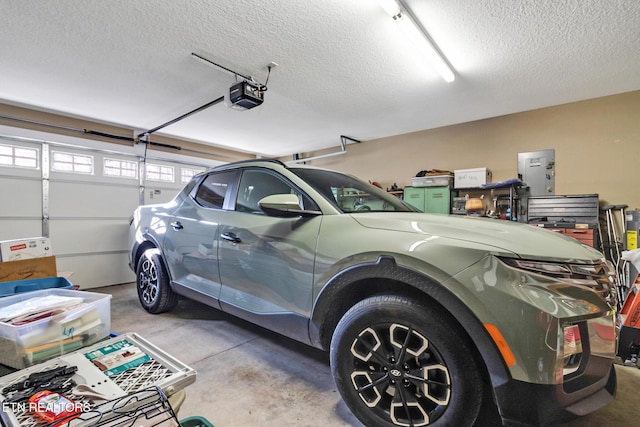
point(537, 169)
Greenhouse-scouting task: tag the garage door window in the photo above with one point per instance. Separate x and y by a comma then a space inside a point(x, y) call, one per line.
point(160, 173)
point(187, 173)
point(18, 157)
point(72, 163)
point(121, 168)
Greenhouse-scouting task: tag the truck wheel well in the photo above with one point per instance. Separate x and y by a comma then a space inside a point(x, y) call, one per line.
point(141, 249)
point(348, 296)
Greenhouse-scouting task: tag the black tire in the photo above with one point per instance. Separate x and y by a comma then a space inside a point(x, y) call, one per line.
point(152, 281)
point(397, 362)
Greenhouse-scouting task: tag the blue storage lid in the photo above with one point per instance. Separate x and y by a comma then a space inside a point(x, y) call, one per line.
point(30, 285)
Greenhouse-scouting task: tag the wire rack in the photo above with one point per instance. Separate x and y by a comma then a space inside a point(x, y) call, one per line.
point(145, 408)
point(162, 374)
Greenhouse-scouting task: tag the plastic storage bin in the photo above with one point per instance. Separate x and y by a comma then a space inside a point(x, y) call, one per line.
point(195, 422)
point(39, 340)
point(30, 285)
point(432, 181)
point(471, 178)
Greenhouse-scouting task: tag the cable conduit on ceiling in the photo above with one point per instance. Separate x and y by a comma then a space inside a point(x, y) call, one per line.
point(343, 146)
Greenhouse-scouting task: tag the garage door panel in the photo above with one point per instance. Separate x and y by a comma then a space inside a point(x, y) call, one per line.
point(80, 236)
point(20, 198)
point(155, 195)
point(20, 228)
point(21, 209)
point(89, 215)
point(24, 173)
point(81, 199)
point(96, 270)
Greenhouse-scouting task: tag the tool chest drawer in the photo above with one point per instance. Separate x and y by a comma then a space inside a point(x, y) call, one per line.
point(584, 235)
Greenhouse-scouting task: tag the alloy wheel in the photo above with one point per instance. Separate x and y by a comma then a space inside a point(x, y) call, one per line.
point(399, 375)
point(148, 281)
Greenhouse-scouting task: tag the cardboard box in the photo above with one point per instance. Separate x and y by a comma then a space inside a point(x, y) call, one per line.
point(471, 178)
point(35, 268)
point(34, 247)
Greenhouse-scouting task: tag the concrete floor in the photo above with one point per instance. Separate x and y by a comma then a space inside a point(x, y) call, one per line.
point(248, 376)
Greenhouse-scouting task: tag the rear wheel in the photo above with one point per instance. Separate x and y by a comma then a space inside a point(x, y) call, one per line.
point(154, 292)
point(397, 362)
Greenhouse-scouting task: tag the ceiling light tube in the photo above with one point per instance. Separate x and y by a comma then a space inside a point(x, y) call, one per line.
point(418, 38)
point(390, 6)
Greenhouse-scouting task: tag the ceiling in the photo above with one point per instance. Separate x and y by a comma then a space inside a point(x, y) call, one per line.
point(343, 66)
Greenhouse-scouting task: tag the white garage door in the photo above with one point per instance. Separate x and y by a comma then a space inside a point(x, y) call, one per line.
point(20, 189)
point(82, 199)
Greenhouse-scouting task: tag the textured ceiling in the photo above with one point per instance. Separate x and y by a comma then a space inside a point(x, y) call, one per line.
point(344, 69)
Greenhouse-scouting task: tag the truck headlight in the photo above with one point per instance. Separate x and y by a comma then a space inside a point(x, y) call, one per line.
point(599, 276)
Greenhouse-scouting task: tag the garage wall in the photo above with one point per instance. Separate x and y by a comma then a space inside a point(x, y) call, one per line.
point(82, 196)
point(597, 146)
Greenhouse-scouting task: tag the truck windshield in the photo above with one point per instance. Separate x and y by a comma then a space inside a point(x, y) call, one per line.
point(349, 194)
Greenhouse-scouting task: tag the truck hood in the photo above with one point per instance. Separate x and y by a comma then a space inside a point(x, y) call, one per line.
point(524, 240)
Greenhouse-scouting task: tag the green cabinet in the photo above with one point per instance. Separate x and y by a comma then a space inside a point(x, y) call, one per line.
point(429, 199)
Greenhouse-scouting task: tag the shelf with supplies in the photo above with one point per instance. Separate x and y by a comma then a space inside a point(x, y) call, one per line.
point(502, 200)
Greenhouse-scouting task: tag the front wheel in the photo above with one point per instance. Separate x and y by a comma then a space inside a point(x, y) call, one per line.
point(397, 362)
point(152, 280)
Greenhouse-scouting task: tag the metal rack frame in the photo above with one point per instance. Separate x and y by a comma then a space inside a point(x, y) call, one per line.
point(163, 372)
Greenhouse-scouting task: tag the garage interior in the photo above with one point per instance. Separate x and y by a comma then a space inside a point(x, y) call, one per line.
point(106, 106)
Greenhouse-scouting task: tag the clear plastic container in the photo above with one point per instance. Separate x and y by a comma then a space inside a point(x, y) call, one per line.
point(48, 337)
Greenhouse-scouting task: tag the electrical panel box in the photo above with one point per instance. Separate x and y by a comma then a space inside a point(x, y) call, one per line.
point(537, 169)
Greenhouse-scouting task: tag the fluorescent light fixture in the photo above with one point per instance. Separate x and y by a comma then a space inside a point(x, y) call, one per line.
point(390, 6)
point(418, 38)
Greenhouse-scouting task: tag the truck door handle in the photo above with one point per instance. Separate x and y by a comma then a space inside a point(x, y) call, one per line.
point(177, 225)
point(231, 237)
